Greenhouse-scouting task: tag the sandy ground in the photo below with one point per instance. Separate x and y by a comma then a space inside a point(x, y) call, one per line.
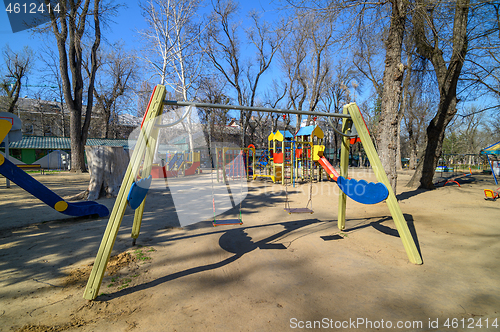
point(276, 272)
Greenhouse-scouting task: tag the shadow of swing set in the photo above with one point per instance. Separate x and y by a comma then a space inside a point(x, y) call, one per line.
point(133, 193)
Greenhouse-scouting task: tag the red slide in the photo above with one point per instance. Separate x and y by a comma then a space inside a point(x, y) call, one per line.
point(328, 168)
point(192, 169)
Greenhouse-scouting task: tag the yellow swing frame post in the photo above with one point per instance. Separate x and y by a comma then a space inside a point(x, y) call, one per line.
point(392, 203)
point(144, 148)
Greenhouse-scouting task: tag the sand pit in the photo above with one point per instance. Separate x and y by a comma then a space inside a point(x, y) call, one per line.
point(276, 272)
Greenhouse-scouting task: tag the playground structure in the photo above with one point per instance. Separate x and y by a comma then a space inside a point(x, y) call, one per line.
point(176, 164)
point(301, 157)
point(491, 194)
point(297, 157)
point(455, 178)
point(224, 157)
point(492, 152)
point(144, 152)
point(37, 189)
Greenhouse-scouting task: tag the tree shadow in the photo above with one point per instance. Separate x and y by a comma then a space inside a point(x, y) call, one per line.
point(409, 194)
point(235, 241)
point(455, 180)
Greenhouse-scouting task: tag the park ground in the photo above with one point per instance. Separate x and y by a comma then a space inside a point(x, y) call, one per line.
point(276, 272)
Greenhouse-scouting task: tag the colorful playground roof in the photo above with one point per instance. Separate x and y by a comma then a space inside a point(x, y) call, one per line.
point(492, 149)
point(287, 134)
point(310, 130)
point(278, 136)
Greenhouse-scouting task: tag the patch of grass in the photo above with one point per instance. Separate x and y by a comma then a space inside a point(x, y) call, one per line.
point(141, 256)
point(135, 275)
point(125, 285)
point(111, 285)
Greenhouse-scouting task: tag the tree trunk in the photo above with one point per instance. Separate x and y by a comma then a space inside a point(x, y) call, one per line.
point(399, 165)
point(435, 135)
point(107, 166)
point(413, 158)
point(393, 78)
point(73, 22)
point(77, 144)
point(447, 75)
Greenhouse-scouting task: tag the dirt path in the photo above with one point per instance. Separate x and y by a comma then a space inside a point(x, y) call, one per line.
point(274, 273)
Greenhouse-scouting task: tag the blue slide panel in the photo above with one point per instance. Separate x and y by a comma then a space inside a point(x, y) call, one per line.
point(172, 162)
point(28, 183)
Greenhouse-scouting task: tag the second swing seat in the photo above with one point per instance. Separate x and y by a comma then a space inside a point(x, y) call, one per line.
point(299, 210)
point(227, 222)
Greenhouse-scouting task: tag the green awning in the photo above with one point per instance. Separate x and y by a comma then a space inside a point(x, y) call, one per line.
point(63, 143)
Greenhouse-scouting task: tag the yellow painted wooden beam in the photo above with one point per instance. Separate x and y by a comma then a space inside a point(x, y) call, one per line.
point(155, 109)
point(344, 165)
point(136, 227)
point(392, 202)
point(146, 171)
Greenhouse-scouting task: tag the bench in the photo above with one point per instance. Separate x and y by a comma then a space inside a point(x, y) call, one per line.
point(32, 167)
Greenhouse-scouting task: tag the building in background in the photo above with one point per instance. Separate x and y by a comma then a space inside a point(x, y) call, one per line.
point(45, 130)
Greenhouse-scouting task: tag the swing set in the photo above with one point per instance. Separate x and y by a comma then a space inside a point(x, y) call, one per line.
point(352, 124)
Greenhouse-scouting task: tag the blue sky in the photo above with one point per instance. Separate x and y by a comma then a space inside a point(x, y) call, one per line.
point(127, 22)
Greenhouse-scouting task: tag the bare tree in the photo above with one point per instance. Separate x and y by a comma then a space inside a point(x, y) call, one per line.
point(212, 90)
point(143, 94)
point(415, 118)
point(268, 122)
point(470, 131)
point(368, 15)
point(430, 29)
point(482, 66)
point(337, 94)
point(173, 36)
point(117, 72)
point(320, 35)
point(390, 116)
point(293, 55)
point(17, 65)
point(222, 46)
point(74, 20)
